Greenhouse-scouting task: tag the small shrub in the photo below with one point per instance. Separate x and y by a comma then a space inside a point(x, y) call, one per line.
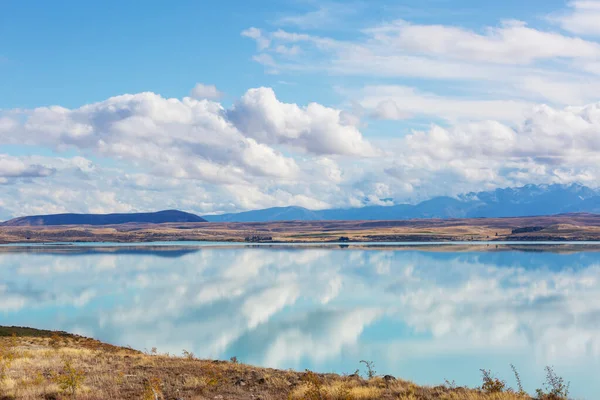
point(234, 360)
point(450, 384)
point(13, 342)
point(152, 389)
point(212, 377)
point(153, 351)
point(70, 379)
point(491, 384)
point(315, 389)
point(343, 393)
point(371, 373)
point(55, 341)
point(188, 355)
point(518, 379)
point(554, 387)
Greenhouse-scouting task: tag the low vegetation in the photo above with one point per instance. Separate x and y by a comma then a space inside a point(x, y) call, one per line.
point(56, 365)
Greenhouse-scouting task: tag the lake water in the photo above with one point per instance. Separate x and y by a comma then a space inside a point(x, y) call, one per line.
point(424, 313)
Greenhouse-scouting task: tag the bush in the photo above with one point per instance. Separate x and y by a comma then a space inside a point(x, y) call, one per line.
point(518, 379)
point(315, 387)
point(554, 387)
point(188, 355)
point(371, 373)
point(70, 379)
point(152, 389)
point(491, 384)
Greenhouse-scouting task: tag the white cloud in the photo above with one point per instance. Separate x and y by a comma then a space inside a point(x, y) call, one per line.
point(145, 152)
point(206, 124)
point(315, 128)
point(287, 50)
point(319, 18)
point(558, 145)
point(18, 167)
point(196, 139)
point(511, 43)
point(202, 91)
point(259, 153)
point(561, 91)
point(256, 34)
point(7, 124)
point(582, 17)
point(328, 15)
point(250, 197)
point(511, 62)
point(401, 102)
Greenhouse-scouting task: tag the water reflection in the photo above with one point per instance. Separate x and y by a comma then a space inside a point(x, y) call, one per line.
point(421, 313)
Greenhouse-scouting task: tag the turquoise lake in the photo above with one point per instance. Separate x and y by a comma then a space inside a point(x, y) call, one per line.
point(426, 313)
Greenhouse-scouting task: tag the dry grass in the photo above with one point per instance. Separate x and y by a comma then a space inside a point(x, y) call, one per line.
point(61, 366)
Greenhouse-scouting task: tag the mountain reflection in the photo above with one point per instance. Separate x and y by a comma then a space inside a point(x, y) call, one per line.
point(422, 313)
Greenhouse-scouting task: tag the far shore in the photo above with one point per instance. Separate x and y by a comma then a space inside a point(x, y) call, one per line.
point(558, 228)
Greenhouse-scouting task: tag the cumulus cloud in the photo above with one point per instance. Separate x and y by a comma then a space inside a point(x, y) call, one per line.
point(145, 152)
point(200, 133)
point(7, 124)
point(558, 145)
point(17, 167)
point(315, 128)
point(195, 139)
point(260, 152)
point(202, 91)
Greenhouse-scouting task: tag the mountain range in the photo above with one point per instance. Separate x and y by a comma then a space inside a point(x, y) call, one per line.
point(104, 219)
point(528, 200)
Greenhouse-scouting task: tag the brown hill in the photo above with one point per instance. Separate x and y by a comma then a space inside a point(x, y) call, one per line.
point(159, 217)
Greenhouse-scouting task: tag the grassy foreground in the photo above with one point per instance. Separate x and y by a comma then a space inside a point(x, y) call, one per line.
point(38, 364)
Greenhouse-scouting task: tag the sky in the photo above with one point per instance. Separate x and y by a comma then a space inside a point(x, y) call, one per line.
point(121, 106)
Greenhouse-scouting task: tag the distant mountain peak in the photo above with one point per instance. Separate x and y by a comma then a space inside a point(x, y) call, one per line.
point(526, 200)
point(158, 217)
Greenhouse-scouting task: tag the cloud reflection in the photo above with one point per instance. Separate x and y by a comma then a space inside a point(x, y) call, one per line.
point(317, 307)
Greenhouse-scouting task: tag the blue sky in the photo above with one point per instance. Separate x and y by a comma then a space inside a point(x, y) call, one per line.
point(74, 52)
point(316, 104)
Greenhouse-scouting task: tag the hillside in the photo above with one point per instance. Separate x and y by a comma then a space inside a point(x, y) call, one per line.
point(159, 217)
point(509, 202)
point(57, 365)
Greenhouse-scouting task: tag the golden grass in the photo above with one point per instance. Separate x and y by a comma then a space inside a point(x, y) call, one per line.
point(66, 367)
